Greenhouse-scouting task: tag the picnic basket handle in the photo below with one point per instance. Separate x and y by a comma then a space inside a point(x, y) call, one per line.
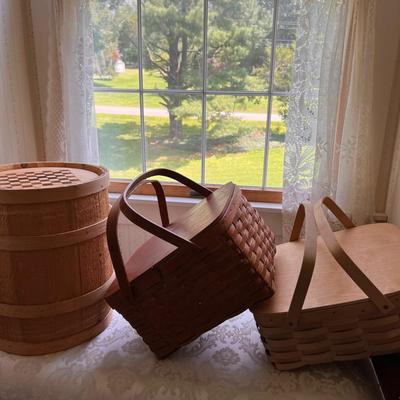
point(122, 205)
point(304, 212)
point(150, 226)
point(343, 259)
point(315, 217)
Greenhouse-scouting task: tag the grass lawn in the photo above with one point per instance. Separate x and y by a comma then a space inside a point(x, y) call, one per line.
point(237, 157)
point(129, 80)
point(152, 80)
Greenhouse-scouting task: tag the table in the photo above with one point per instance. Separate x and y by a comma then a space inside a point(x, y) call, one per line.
point(226, 363)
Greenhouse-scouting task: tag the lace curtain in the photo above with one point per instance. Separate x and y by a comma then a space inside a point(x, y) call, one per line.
point(70, 130)
point(330, 143)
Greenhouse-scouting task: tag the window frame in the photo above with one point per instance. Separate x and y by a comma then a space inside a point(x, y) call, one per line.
point(172, 189)
point(261, 193)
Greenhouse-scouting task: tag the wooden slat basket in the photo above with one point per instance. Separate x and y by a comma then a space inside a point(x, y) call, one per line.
point(212, 263)
point(54, 262)
point(349, 309)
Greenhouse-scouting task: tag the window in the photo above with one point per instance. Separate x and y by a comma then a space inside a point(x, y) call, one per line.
point(196, 86)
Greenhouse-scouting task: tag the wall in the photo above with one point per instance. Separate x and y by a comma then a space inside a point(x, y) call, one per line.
point(387, 25)
point(393, 206)
point(386, 52)
point(388, 74)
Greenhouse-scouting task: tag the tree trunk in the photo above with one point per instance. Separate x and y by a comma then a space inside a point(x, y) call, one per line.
point(175, 125)
point(177, 68)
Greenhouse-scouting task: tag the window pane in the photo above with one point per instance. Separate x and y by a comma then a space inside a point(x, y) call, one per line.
point(288, 14)
point(106, 101)
point(277, 142)
point(284, 53)
point(239, 49)
point(173, 42)
point(115, 44)
point(173, 133)
point(119, 138)
point(238, 58)
point(235, 139)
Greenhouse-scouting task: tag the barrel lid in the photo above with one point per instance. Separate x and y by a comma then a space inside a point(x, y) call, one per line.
point(49, 181)
point(44, 177)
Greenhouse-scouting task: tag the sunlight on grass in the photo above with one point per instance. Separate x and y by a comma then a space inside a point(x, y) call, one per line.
point(125, 100)
point(275, 165)
point(216, 174)
point(243, 168)
point(120, 151)
point(130, 80)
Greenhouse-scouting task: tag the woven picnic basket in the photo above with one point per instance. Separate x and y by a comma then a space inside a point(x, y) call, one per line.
point(332, 317)
point(211, 263)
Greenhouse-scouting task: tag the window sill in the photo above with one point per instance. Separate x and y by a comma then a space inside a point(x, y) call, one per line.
point(268, 196)
point(274, 208)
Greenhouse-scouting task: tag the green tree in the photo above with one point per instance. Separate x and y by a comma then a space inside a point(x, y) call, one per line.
point(173, 45)
point(173, 36)
point(239, 46)
point(238, 35)
point(104, 37)
point(126, 27)
point(115, 33)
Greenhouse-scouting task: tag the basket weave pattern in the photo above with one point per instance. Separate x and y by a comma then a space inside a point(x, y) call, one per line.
point(332, 339)
point(187, 293)
point(254, 239)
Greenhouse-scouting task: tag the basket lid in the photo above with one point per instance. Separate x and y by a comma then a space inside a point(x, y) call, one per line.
point(49, 181)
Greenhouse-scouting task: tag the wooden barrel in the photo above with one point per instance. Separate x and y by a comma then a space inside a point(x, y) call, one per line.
point(54, 260)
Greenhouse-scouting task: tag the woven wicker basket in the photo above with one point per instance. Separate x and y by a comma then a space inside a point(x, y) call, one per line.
point(212, 263)
point(341, 318)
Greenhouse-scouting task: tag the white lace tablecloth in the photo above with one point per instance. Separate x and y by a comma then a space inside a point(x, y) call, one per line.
point(226, 363)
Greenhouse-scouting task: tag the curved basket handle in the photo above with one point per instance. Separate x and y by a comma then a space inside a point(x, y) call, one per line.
point(112, 236)
point(315, 217)
point(344, 260)
point(122, 205)
point(305, 211)
point(150, 226)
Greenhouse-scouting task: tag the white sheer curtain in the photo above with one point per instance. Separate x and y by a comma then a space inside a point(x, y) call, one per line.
point(330, 143)
point(70, 131)
point(46, 88)
point(18, 120)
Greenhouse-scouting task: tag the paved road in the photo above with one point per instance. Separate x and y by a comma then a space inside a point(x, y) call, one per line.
point(160, 112)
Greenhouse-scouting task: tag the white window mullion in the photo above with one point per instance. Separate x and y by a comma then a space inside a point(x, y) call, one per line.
point(203, 95)
point(271, 86)
point(141, 99)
